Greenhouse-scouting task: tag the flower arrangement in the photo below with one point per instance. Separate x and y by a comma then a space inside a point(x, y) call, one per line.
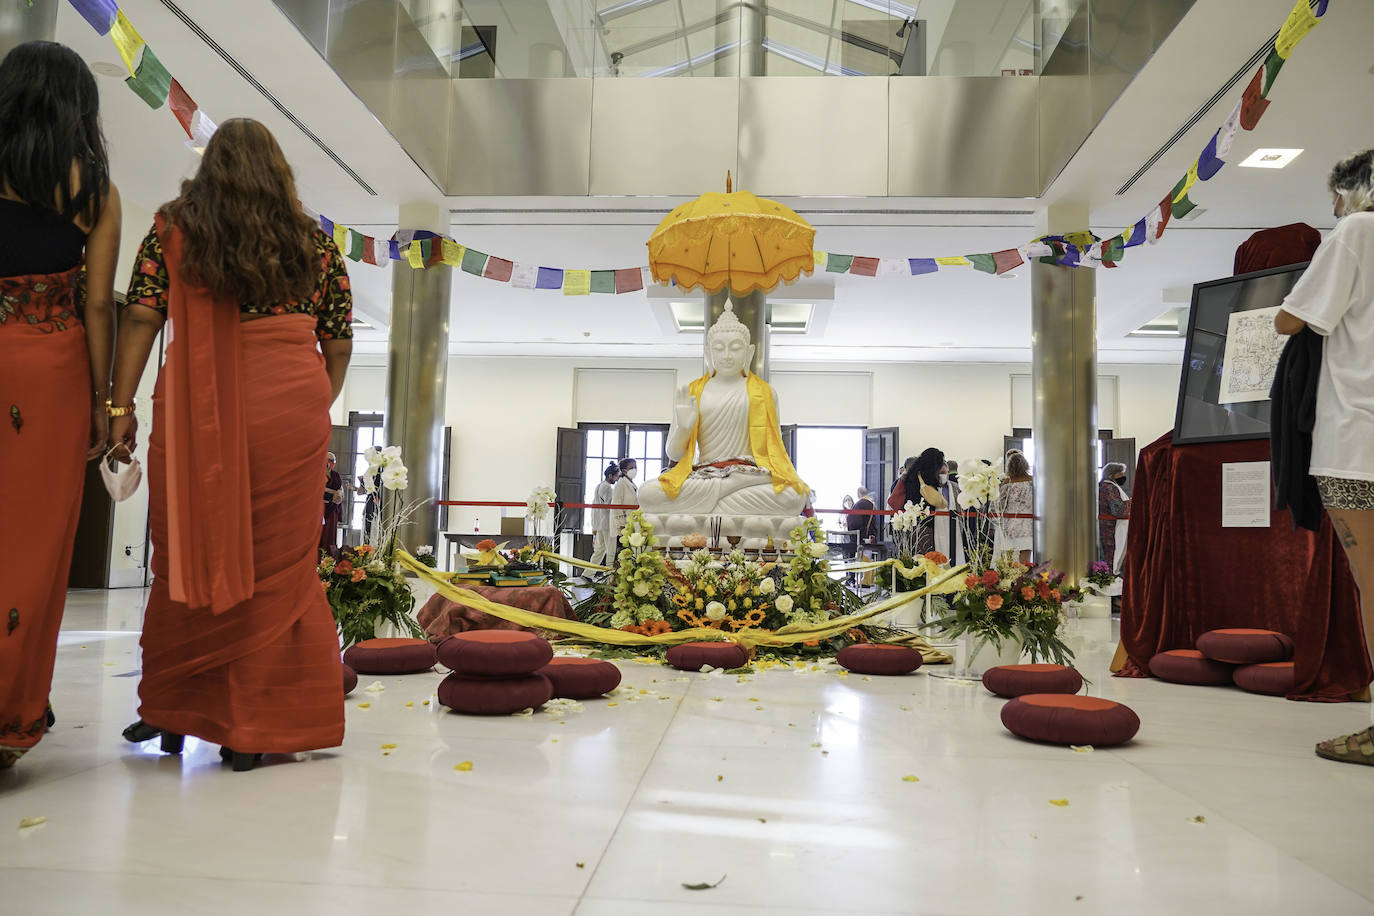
point(734, 594)
point(427, 556)
point(922, 570)
point(1013, 602)
point(537, 505)
point(806, 584)
point(906, 527)
point(641, 577)
point(364, 591)
point(1100, 574)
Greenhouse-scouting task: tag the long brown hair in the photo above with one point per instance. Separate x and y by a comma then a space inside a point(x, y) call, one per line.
point(244, 233)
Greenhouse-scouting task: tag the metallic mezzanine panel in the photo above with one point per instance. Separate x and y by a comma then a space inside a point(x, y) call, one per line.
point(801, 135)
point(422, 102)
point(962, 136)
point(638, 148)
point(520, 137)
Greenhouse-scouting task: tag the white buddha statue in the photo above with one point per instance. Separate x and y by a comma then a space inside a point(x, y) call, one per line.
point(731, 462)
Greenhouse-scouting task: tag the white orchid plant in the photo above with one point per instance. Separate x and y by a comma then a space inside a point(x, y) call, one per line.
point(980, 490)
point(387, 462)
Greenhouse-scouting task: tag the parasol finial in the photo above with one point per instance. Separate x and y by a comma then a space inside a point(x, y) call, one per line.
point(727, 181)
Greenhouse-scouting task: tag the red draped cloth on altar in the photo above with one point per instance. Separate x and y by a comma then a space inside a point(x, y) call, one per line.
point(1185, 574)
point(441, 617)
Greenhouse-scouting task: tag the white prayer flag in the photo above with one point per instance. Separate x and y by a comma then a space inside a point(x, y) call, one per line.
point(524, 276)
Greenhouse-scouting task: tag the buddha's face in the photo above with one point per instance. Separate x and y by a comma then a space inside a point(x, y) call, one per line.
point(730, 353)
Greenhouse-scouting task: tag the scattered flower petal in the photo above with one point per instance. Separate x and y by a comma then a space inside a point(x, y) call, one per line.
point(1199, 819)
point(910, 778)
point(1059, 802)
point(613, 703)
point(409, 704)
point(1081, 748)
point(464, 767)
point(364, 705)
point(374, 687)
point(527, 711)
point(27, 822)
point(388, 747)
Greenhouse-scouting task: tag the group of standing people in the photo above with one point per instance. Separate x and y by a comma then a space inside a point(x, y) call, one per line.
point(617, 488)
point(239, 645)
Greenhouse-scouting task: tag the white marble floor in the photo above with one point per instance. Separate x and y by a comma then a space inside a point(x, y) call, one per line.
point(790, 786)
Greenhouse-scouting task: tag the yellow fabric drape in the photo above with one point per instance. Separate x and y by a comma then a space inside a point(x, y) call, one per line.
point(765, 441)
point(789, 635)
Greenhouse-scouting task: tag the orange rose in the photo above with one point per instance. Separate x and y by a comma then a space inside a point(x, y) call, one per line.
point(1027, 592)
point(343, 568)
point(484, 546)
point(359, 574)
point(1054, 593)
point(990, 578)
point(364, 549)
point(970, 581)
point(994, 602)
point(937, 558)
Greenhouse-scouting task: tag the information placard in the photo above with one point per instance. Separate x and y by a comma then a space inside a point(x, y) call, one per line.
point(1245, 494)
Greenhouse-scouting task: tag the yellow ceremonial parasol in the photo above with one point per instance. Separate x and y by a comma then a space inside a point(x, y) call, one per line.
point(749, 242)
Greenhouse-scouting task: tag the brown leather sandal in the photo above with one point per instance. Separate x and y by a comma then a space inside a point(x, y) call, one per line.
point(1356, 748)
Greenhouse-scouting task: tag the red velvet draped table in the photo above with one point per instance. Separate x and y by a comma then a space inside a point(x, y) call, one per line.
point(1185, 574)
point(441, 618)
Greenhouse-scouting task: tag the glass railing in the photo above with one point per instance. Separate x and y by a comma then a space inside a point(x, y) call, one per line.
point(485, 39)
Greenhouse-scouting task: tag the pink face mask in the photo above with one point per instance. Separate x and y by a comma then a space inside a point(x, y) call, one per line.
point(121, 480)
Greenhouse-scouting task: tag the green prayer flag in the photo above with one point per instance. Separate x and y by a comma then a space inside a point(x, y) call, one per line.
point(1183, 207)
point(355, 244)
point(426, 250)
point(151, 82)
point(1116, 249)
point(474, 262)
point(1272, 65)
point(984, 262)
point(603, 281)
point(838, 263)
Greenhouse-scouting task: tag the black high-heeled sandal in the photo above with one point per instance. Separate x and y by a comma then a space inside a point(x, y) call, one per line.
point(140, 731)
point(242, 762)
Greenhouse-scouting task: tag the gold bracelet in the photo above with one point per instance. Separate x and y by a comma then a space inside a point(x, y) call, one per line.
point(118, 411)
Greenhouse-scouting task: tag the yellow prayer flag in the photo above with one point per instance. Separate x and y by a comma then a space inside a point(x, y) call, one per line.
point(820, 257)
point(341, 236)
point(959, 261)
point(1189, 180)
point(453, 253)
point(127, 40)
point(577, 282)
point(415, 255)
point(1295, 28)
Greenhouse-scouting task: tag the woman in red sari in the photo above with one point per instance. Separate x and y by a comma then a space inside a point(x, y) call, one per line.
point(57, 206)
point(239, 645)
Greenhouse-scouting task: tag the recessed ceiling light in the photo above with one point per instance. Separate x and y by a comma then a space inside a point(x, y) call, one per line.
point(1270, 158)
point(105, 68)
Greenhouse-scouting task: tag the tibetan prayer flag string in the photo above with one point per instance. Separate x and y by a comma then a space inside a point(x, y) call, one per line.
point(577, 282)
point(152, 82)
point(127, 41)
point(99, 13)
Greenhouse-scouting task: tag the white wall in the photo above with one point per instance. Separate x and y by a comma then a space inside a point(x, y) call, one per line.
point(505, 412)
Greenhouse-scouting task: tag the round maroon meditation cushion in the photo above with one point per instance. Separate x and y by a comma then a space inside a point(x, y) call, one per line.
point(1189, 666)
point(1019, 680)
point(1061, 718)
point(875, 658)
point(693, 656)
point(1245, 647)
point(495, 653)
point(494, 696)
point(581, 678)
point(350, 680)
point(1274, 679)
point(390, 656)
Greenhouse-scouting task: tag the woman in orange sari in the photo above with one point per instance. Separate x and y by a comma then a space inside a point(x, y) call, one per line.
point(239, 645)
point(57, 206)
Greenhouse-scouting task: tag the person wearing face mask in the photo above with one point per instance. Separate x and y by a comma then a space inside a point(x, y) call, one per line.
point(1113, 509)
point(625, 493)
point(603, 541)
point(947, 540)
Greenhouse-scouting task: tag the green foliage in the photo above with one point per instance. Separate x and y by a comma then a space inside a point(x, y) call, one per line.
point(364, 591)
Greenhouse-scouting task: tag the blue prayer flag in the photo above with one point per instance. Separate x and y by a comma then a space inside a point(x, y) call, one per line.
point(922, 266)
point(1208, 164)
point(549, 278)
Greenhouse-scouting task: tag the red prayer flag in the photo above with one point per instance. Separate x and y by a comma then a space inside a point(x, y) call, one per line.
point(183, 106)
point(864, 267)
point(1253, 103)
point(1010, 259)
point(628, 279)
point(1166, 210)
point(369, 250)
point(498, 269)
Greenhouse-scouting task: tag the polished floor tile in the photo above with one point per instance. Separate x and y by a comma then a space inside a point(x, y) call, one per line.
point(808, 791)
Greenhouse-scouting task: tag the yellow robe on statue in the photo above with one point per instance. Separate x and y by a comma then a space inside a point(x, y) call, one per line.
point(765, 441)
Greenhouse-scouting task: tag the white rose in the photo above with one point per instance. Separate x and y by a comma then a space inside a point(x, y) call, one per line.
point(636, 540)
point(767, 587)
point(784, 604)
point(642, 589)
point(715, 611)
point(819, 550)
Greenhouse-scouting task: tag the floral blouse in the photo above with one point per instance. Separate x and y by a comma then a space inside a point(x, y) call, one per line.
point(331, 303)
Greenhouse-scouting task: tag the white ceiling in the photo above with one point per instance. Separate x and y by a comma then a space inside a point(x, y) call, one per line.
point(1322, 102)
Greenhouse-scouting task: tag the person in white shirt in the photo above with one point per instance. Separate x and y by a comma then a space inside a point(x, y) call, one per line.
point(602, 541)
point(625, 494)
point(1335, 298)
